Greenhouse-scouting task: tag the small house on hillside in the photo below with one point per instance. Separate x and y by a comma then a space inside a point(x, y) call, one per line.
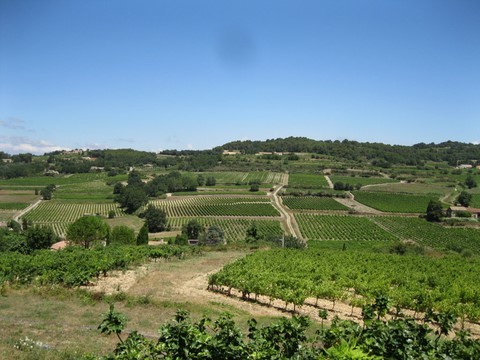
point(454, 211)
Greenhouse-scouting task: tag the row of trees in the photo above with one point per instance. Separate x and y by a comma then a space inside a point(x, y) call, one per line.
point(136, 193)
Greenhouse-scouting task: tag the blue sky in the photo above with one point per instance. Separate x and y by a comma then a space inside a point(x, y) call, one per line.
point(155, 75)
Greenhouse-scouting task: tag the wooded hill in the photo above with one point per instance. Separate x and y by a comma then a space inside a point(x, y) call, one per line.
point(383, 154)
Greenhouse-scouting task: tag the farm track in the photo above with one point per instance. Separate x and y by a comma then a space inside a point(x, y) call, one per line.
point(329, 181)
point(27, 209)
point(289, 219)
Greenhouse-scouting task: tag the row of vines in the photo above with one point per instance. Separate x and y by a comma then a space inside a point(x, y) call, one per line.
point(217, 206)
point(412, 282)
point(75, 266)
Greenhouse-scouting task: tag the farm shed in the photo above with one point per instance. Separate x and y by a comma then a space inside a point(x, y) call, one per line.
point(453, 211)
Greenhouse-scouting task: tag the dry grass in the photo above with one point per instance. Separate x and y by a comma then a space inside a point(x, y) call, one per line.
point(66, 320)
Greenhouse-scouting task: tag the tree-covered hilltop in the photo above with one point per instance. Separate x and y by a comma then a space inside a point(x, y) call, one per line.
point(449, 151)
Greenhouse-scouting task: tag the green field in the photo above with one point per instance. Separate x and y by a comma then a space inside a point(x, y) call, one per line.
point(307, 181)
point(216, 206)
point(312, 203)
point(475, 201)
point(12, 206)
point(234, 229)
point(401, 203)
point(341, 227)
point(354, 180)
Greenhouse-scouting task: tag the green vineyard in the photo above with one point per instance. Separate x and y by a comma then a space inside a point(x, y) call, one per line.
point(338, 227)
point(217, 206)
point(430, 234)
point(401, 203)
point(315, 181)
point(60, 214)
point(312, 203)
point(413, 282)
point(234, 229)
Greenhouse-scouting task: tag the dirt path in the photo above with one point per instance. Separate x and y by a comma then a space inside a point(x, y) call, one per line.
point(27, 209)
point(330, 183)
point(289, 219)
point(359, 207)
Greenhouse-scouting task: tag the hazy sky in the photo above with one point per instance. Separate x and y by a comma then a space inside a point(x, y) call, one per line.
point(155, 75)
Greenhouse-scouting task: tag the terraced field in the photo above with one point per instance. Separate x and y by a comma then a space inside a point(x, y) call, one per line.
point(312, 203)
point(234, 229)
point(341, 227)
point(217, 206)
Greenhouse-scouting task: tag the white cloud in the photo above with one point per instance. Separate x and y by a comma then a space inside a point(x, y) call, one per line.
point(20, 144)
point(189, 146)
point(476, 142)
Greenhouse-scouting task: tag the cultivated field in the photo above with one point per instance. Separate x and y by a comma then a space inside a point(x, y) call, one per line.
point(216, 206)
point(340, 227)
point(312, 203)
point(388, 202)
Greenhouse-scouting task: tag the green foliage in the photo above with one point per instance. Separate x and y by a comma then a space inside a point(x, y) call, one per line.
point(13, 242)
point(132, 198)
point(46, 194)
point(40, 237)
point(470, 182)
point(86, 230)
point(172, 182)
point(75, 266)
point(213, 236)
point(134, 179)
point(200, 180)
point(113, 323)
point(111, 214)
point(192, 229)
point(434, 211)
point(156, 219)
point(118, 188)
point(287, 339)
point(254, 187)
point(410, 281)
point(211, 181)
point(122, 235)
point(142, 237)
point(464, 198)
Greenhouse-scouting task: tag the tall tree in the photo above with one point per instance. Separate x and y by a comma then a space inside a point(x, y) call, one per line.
point(464, 198)
point(156, 219)
point(192, 229)
point(434, 210)
point(470, 182)
point(40, 237)
point(122, 235)
point(142, 237)
point(86, 230)
point(213, 236)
